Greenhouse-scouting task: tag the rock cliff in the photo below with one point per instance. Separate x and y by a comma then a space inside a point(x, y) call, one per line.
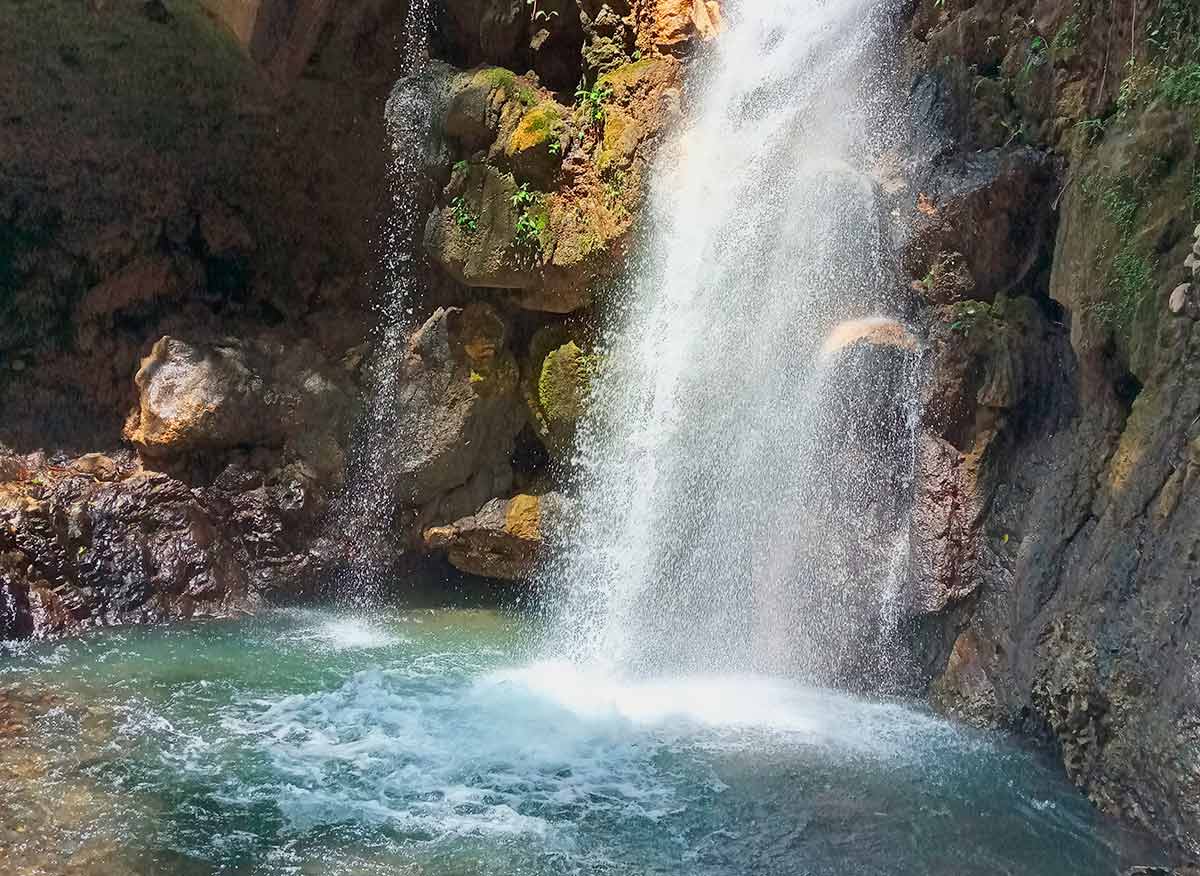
point(1057, 154)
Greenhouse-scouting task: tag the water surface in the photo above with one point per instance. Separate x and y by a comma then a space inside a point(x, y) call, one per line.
point(425, 743)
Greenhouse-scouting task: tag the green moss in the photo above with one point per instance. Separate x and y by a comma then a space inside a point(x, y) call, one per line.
point(541, 125)
point(1194, 196)
point(563, 384)
point(1122, 209)
point(508, 81)
point(626, 74)
point(1180, 86)
point(498, 77)
point(968, 317)
point(1131, 279)
point(1130, 275)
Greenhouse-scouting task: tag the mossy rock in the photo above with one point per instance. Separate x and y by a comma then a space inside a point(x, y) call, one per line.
point(629, 75)
point(482, 102)
point(557, 382)
point(534, 149)
point(1125, 224)
point(563, 386)
point(473, 236)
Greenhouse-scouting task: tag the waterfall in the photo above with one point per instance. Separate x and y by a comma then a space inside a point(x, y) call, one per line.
point(361, 518)
point(745, 473)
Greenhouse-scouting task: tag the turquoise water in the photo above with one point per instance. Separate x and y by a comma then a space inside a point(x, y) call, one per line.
point(425, 743)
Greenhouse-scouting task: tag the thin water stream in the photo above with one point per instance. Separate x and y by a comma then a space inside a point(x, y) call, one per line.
point(425, 742)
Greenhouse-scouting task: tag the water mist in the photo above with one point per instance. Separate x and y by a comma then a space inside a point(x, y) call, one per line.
point(745, 477)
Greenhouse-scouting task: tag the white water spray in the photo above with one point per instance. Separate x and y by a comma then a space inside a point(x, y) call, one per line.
point(362, 517)
point(745, 497)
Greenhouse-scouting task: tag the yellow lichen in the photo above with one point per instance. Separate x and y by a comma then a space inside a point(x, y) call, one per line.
point(538, 126)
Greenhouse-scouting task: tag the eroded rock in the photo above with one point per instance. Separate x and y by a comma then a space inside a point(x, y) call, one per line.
point(504, 539)
point(222, 395)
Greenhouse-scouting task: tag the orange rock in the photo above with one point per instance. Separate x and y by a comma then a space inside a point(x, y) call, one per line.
point(672, 26)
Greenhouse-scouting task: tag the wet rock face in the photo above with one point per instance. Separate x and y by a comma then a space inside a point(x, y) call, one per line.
point(141, 548)
point(460, 415)
point(980, 224)
point(212, 202)
point(1056, 527)
point(101, 540)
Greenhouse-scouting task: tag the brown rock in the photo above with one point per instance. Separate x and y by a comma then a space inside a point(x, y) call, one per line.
point(673, 26)
point(212, 397)
point(991, 211)
point(504, 539)
point(98, 466)
point(460, 414)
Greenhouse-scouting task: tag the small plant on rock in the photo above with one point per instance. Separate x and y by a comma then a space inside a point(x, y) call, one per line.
point(529, 229)
point(1092, 130)
point(532, 220)
point(536, 14)
point(1037, 57)
point(593, 100)
point(464, 217)
point(523, 198)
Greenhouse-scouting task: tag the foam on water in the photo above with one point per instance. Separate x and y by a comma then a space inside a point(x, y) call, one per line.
point(341, 632)
point(236, 748)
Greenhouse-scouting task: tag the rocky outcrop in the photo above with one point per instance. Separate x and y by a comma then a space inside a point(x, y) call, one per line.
point(1055, 532)
point(504, 539)
point(459, 417)
point(542, 197)
point(79, 551)
point(979, 224)
point(263, 393)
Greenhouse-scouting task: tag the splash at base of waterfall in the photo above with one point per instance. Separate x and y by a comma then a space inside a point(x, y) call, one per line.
point(305, 742)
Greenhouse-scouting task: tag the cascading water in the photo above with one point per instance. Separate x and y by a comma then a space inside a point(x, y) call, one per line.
point(361, 519)
point(746, 477)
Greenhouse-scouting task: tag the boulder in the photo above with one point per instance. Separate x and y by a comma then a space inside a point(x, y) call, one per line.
point(556, 380)
point(504, 539)
point(79, 551)
point(673, 26)
point(474, 236)
point(459, 414)
point(218, 396)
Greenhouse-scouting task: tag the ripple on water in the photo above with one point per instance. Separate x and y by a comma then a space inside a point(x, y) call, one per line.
point(261, 748)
